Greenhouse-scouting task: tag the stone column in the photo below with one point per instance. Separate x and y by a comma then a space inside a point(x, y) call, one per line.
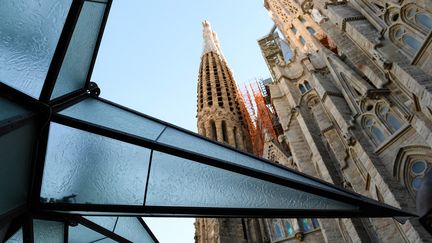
point(239, 139)
point(231, 135)
point(209, 130)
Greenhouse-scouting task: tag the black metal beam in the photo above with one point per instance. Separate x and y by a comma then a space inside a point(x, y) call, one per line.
point(95, 227)
point(61, 49)
point(210, 212)
point(98, 41)
point(148, 229)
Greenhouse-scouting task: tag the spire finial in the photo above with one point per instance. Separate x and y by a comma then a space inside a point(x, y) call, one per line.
point(210, 44)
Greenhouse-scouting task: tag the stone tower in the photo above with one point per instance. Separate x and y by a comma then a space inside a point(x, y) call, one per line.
point(219, 118)
point(219, 115)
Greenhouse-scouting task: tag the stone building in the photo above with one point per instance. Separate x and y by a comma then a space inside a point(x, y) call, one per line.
point(354, 98)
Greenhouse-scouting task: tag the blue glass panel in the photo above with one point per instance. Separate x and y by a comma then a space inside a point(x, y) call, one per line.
point(79, 234)
point(195, 144)
point(315, 223)
point(131, 229)
point(393, 122)
point(378, 134)
point(412, 42)
point(417, 182)
point(311, 30)
point(76, 65)
point(418, 166)
point(100, 113)
point(29, 32)
point(179, 182)
point(277, 231)
point(302, 88)
point(289, 228)
point(424, 20)
point(8, 109)
point(17, 237)
point(302, 40)
point(15, 166)
point(82, 167)
point(48, 231)
point(306, 225)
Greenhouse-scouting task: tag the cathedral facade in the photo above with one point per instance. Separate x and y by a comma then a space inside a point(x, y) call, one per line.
point(353, 93)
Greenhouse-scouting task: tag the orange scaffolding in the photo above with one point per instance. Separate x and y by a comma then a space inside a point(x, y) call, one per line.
point(262, 118)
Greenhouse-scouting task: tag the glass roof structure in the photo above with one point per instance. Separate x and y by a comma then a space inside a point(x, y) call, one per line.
point(79, 168)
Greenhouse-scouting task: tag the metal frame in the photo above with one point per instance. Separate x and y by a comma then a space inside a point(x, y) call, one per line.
point(45, 110)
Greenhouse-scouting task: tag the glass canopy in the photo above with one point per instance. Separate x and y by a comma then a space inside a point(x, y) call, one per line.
point(79, 168)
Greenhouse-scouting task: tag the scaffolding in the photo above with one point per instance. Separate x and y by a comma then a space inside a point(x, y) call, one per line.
point(260, 111)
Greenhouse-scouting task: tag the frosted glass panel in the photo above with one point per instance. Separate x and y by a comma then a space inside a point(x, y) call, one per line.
point(131, 229)
point(79, 234)
point(185, 141)
point(15, 166)
point(73, 73)
point(8, 109)
point(81, 167)
point(101, 113)
point(17, 237)
point(29, 32)
point(179, 182)
point(104, 221)
point(48, 231)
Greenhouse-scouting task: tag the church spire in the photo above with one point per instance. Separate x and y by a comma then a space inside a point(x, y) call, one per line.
point(211, 42)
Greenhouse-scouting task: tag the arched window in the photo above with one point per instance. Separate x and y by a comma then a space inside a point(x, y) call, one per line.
point(388, 117)
point(213, 134)
point(307, 224)
point(404, 39)
point(411, 165)
point(302, 19)
point(224, 132)
point(307, 85)
point(293, 29)
point(417, 18)
point(416, 170)
point(374, 130)
point(289, 228)
point(302, 88)
point(311, 30)
point(277, 231)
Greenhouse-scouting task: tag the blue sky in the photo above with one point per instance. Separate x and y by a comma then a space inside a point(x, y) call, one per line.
point(149, 60)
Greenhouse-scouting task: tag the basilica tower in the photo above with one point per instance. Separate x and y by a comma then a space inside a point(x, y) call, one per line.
point(219, 114)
